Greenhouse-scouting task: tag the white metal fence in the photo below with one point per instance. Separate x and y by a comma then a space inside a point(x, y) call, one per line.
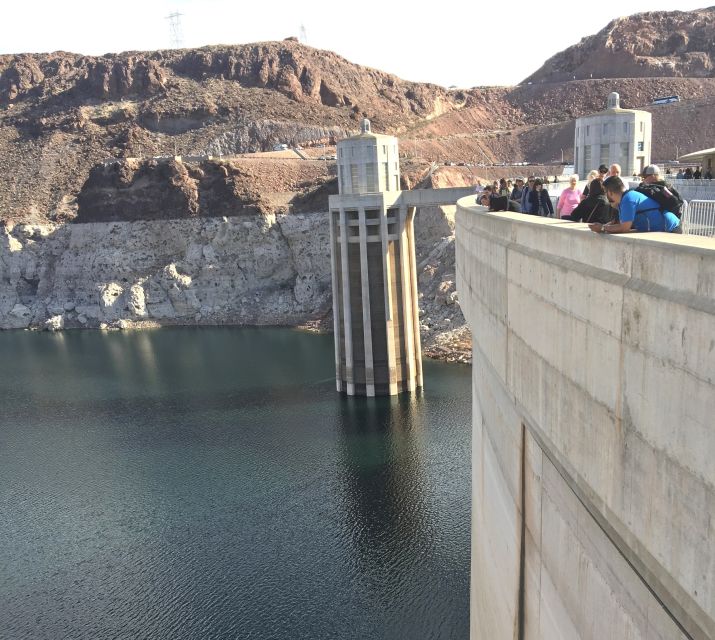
point(698, 218)
point(700, 182)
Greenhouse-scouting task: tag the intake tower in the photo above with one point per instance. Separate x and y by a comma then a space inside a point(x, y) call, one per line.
point(375, 303)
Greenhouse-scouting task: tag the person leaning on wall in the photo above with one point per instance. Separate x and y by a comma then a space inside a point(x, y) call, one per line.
point(636, 212)
point(595, 208)
point(592, 175)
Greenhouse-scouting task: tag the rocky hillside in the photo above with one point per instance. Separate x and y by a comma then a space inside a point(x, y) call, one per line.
point(63, 116)
point(652, 44)
point(167, 189)
point(535, 122)
point(61, 113)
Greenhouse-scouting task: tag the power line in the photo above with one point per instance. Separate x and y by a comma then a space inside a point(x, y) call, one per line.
point(176, 38)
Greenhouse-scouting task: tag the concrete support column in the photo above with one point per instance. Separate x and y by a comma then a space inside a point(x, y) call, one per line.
point(407, 299)
point(366, 317)
point(347, 312)
point(389, 311)
point(414, 318)
point(334, 270)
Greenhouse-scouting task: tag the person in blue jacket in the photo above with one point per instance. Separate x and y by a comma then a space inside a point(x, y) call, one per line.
point(539, 202)
point(636, 212)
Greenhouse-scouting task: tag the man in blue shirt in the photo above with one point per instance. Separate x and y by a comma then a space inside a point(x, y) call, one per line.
point(636, 212)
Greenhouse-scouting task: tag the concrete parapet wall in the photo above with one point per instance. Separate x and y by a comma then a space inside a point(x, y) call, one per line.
point(593, 429)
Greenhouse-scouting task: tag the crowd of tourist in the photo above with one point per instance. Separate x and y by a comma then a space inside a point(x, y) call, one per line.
point(690, 174)
point(606, 203)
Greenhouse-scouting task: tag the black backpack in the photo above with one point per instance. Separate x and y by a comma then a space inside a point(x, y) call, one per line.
point(667, 197)
point(502, 203)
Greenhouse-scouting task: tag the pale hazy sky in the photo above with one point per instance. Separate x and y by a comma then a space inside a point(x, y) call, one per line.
point(448, 43)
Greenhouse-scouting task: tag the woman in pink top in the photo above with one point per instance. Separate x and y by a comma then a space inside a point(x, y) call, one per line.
point(569, 198)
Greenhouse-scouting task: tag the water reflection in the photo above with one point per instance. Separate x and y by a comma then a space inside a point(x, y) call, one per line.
point(381, 466)
point(210, 483)
point(389, 510)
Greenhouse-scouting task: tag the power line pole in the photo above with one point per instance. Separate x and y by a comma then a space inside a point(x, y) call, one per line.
point(175, 36)
point(303, 35)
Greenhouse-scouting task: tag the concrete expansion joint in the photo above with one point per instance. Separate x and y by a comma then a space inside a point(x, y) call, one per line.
point(668, 456)
point(695, 301)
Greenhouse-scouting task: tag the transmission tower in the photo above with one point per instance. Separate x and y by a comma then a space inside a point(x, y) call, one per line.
point(303, 35)
point(175, 36)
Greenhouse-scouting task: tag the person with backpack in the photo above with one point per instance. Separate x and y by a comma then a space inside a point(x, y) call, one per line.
point(636, 211)
point(659, 190)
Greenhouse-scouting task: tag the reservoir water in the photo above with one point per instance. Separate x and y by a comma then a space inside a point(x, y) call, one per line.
point(210, 483)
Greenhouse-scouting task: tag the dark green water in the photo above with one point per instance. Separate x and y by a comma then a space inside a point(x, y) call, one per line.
point(210, 483)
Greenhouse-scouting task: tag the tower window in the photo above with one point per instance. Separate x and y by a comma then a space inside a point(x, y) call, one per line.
point(371, 177)
point(354, 179)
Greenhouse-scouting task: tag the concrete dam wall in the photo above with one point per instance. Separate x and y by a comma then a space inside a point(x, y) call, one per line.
point(593, 429)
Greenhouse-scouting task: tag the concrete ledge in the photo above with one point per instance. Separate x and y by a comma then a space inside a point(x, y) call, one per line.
point(603, 349)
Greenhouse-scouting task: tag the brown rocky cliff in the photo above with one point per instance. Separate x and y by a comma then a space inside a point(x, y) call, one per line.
point(165, 189)
point(61, 113)
point(111, 80)
point(311, 75)
point(652, 44)
point(303, 74)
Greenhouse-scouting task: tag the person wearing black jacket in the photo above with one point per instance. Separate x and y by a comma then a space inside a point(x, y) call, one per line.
point(502, 203)
point(595, 208)
point(539, 201)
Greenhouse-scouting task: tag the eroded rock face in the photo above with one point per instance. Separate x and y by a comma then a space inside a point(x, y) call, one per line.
point(131, 189)
point(308, 75)
point(112, 78)
point(253, 270)
point(22, 75)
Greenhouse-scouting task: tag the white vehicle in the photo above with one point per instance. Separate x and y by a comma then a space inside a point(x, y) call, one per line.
point(666, 100)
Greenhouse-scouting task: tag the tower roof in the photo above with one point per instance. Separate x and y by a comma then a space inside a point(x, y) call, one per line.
point(367, 134)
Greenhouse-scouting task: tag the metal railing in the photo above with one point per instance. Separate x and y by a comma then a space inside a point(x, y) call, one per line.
point(698, 218)
point(682, 182)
